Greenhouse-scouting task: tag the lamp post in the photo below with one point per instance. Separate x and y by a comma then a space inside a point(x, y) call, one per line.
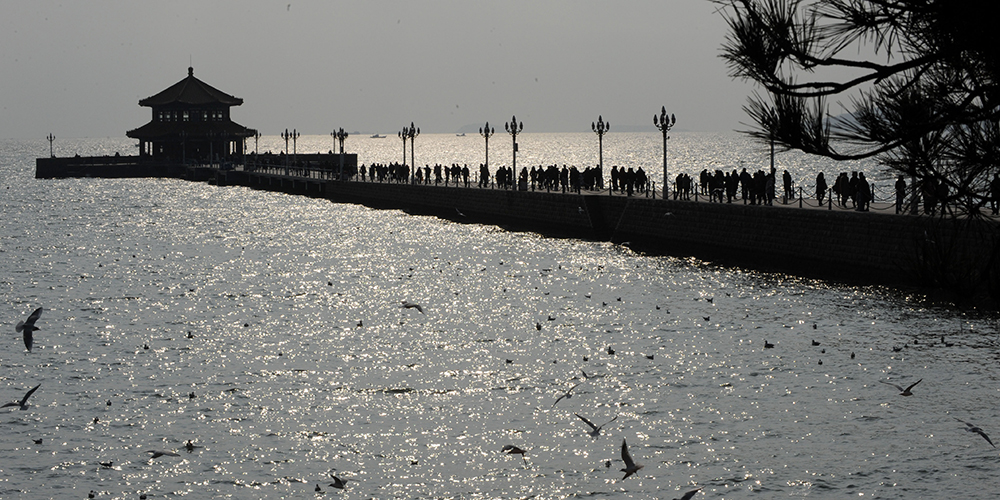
point(403, 135)
point(409, 133)
point(340, 136)
point(286, 136)
point(51, 138)
point(600, 128)
point(664, 124)
point(487, 132)
point(513, 128)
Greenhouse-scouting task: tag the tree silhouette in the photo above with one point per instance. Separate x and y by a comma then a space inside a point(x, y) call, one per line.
point(916, 80)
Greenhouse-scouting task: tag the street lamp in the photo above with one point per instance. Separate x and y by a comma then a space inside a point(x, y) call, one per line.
point(409, 133)
point(487, 132)
point(51, 138)
point(600, 128)
point(664, 124)
point(403, 135)
point(286, 136)
point(513, 128)
point(340, 136)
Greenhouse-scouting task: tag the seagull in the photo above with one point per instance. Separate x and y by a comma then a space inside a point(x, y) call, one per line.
point(595, 430)
point(407, 304)
point(630, 466)
point(460, 214)
point(28, 327)
point(514, 450)
point(689, 495)
point(903, 392)
point(23, 404)
point(974, 428)
point(567, 395)
point(160, 453)
point(337, 482)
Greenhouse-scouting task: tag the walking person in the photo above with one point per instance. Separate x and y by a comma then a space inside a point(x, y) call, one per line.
point(900, 193)
point(820, 187)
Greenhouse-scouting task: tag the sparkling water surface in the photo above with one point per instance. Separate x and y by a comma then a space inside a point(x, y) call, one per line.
point(277, 344)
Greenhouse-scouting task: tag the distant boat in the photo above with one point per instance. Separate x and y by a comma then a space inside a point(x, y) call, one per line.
point(376, 136)
point(460, 135)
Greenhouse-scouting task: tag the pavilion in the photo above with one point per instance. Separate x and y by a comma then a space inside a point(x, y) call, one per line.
point(191, 123)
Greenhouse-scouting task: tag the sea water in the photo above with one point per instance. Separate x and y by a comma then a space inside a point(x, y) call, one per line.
point(267, 330)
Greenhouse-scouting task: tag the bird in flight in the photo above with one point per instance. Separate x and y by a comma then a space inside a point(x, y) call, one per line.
point(689, 495)
point(630, 466)
point(568, 394)
point(407, 304)
point(903, 392)
point(28, 327)
point(514, 450)
point(160, 453)
point(595, 430)
point(975, 428)
point(23, 404)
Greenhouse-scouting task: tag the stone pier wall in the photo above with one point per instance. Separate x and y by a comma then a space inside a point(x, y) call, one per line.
point(864, 247)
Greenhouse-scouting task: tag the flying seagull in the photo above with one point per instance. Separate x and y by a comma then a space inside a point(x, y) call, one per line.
point(903, 392)
point(160, 453)
point(567, 395)
point(595, 430)
point(630, 466)
point(28, 327)
point(689, 495)
point(23, 404)
point(337, 482)
point(407, 304)
point(974, 428)
point(514, 450)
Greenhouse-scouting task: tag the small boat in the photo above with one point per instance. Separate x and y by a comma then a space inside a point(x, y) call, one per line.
point(376, 136)
point(460, 135)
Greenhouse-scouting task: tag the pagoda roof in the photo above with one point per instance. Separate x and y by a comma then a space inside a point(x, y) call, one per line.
point(194, 130)
point(191, 91)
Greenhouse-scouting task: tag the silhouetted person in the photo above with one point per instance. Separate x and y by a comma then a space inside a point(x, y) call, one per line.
point(929, 189)
point(786, 180)
point(820, 187)
point(864, 193)
point(900, 193)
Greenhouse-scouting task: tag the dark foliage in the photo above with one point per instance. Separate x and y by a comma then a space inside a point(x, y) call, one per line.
point(916, 80)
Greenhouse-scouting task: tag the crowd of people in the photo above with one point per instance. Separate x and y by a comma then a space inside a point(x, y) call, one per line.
point(759, 188)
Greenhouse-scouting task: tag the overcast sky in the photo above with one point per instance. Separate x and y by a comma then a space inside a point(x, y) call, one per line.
point(78, 69)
